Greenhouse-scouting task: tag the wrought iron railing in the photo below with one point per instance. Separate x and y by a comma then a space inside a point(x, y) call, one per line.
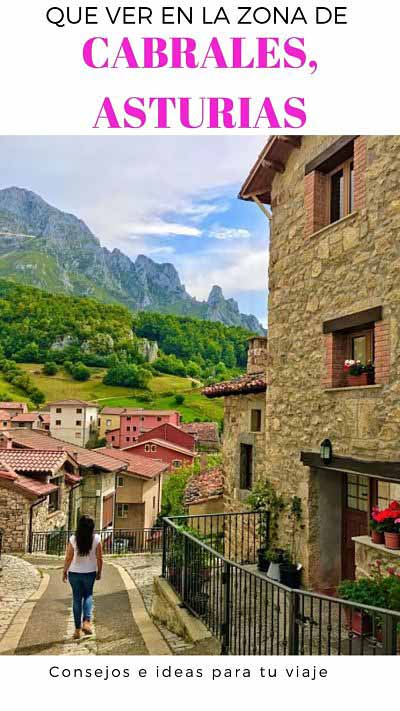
point(114, 541)
point(1, 543)
point(253, 615)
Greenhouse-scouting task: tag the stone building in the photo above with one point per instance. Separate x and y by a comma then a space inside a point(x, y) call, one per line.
point(36, 494)
point(334, 294)
point(243, 447)
point(96, 494)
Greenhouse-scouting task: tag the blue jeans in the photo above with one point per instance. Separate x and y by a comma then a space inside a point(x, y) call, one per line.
point(82, 596)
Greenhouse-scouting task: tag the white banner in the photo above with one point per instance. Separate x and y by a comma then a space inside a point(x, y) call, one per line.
point(204, 66)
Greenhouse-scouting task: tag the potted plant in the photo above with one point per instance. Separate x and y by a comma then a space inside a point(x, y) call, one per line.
point(389, 519)
point(377, 527)
point(290, 568)
point(358, 373)
point(275, 557)
point(264, 498)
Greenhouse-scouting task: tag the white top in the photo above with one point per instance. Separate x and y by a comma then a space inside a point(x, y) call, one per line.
point(84, 563)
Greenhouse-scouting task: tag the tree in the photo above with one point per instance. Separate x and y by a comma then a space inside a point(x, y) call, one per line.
point(80, 372)
point(129, 376)
point(179, 399)
point(50, 368)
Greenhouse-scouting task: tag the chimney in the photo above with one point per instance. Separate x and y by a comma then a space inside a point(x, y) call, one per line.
point(257, 354)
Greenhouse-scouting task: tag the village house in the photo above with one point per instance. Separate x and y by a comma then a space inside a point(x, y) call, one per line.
point(204, 492)
point(37, 491)
point(97, 469)
point(170, 433)
point(110, 418)
point(14, 408)
point(172, 454)
point(243, 448)
point(206, 435)
point(138, 489)
point(134, 422)
point(74, 421)
point(333, 296)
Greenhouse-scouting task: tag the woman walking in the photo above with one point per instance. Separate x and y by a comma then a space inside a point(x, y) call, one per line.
point(82, 565)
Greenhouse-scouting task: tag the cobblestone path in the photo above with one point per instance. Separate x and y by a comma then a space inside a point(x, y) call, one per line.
point(18, 581)
point(121, 622)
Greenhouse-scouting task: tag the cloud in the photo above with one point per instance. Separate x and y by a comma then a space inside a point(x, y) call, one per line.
point(229, 233)
point(161, 228)
point(200, 210)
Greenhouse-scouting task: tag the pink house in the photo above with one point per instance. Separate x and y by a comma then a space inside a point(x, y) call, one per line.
point(134, 422)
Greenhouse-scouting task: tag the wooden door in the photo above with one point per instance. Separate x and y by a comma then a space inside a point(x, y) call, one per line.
point(355, 519)
point(108, 511)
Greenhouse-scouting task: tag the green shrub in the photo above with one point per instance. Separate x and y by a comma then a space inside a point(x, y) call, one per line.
point(80, 372)
point(129, 376)
point(50, 368)
point(179, 399)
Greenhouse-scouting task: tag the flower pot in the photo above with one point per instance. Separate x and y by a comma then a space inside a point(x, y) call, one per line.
point(392, 541)
point(358, 622)
point(263, 562)
point(290, 575)
point(363, 379)
point(274, 571)
point(377, 537)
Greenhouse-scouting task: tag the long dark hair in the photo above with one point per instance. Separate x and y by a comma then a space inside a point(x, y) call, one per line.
point(84, 535)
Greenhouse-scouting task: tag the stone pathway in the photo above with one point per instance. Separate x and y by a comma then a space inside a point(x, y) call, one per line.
point(18, 581)
point(121, 623)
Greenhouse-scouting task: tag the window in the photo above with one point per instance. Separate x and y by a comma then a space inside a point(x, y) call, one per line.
point(127, 439)
point(142, 419)
point(78, 423)
point(108, 423)
point(255, 421)
point(58, 423)
point(387, 492)
point(246, 466)
point(357, 492)
point(133, 429)
point(128, 429)
point(77, 435)
point(122, 510)
point(341, 191)
point(78, 410)
point(128, 419)
point(361, 345)
point(153, 448)
point(112, 438)
point(55, 497)
point(177, 463)
point(159, 419)
point(58, 410)
point(120, 481)
point(147, 448)
point(5, 424)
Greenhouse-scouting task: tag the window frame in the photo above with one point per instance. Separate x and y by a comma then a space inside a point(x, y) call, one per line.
point(120, 481)
point(54, 507)
point(369, 332)
point(348, 189)
point(259, 411)
point(122, 510)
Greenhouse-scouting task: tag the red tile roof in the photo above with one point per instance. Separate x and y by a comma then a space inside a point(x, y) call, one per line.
point(204, 486)
point(112, 410)
point(14, 406)
point(4, 415)
point(272, 158)
point(72, 479)
point(202, 431)
point(36, 439)
point(144, 467)
point(243, 385)
point(26, 485)
point(26, 417)
point(33, 460)
point(162, 443)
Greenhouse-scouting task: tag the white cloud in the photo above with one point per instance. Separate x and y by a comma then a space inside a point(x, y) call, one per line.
point(161, 228)
point(229, 233)
point(200, 210)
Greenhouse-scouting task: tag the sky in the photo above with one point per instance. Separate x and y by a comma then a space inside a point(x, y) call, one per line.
point(172, 198)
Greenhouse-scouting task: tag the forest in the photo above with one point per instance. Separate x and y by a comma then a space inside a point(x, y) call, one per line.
point(39, 327)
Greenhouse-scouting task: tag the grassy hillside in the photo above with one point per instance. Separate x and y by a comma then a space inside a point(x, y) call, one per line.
point(162, 390)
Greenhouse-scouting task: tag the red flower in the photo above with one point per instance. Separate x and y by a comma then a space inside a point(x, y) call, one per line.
point(394, 506)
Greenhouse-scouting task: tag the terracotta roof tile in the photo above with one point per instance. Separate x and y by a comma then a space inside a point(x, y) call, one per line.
point(243, 385)
point(26, 417)
point(112, 410)
point(35, 439)
point(83, 403)
point(204, 486)
point(144, 467)
point(72, 478)
point(13, 406)
point(32, 460)
point(4, 415)
point(162, 443)
point(202, 431)
point(27, 485)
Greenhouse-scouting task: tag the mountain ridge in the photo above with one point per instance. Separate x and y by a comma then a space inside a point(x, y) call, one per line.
point(54, 250)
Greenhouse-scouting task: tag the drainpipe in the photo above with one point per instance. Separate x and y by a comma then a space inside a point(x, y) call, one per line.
point(36, 503)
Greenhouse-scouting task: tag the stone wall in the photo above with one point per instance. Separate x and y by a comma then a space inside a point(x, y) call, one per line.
point(368, 554)
point(344, 268)
point(14, 520)
point(93, 482)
